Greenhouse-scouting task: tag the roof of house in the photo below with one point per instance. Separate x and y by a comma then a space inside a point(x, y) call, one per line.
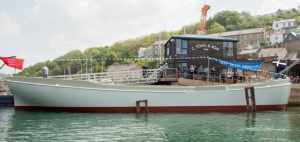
point(150, 47)
point(239, 32)
point(201, 37)
point(286, 20)
point(124, 67)
point(249, 51)
point(290, 55)
point(272, 49)
point(142, 48)
point(161, 42)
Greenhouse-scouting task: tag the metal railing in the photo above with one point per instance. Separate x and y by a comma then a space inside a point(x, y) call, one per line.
point(119, 77)
point(223, 78)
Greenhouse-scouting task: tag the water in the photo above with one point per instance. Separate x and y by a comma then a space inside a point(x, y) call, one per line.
point(63, 126)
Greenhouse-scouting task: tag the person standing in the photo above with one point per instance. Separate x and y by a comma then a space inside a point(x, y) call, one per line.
point(200, 69)
point(45, 71)
point(297, 80)
point(223, 75)
point(191, 72)
point(205, 71)
point(179, 70)
point(213, 73)
point(185, 71)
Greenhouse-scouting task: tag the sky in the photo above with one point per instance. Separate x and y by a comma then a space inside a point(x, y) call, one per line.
point(41, 30)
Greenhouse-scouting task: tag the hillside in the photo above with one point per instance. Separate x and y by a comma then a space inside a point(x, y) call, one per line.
point(220, 22)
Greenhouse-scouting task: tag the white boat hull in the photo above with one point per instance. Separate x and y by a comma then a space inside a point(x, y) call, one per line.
point(81, 96)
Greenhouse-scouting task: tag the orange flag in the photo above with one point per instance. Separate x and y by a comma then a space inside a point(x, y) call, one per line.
point(13, 62)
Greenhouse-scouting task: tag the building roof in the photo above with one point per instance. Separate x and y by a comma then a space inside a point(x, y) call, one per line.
point(272, 49)
point(142, 48)
point(291, 56)
point(239, 32)
point(201, 37)
point(150, 47)
point(161, 42)
point(124, 67)
point(249, 51)
point(286, 20)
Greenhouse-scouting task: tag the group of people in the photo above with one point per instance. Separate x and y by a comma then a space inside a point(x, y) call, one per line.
point(294, 80)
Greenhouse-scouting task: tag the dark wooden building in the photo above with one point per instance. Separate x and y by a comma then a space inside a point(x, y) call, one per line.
point(191, 50)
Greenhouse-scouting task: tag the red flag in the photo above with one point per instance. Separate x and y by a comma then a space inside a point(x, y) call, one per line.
point(13, 62)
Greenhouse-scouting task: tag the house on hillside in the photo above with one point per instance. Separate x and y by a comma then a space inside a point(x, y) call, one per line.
point(275, 38)
point(253, 53)
point(158, 49)
point(269, 52)
point(141, 52)
point(286, 26)
point(148, 52)
point(292, 41)
point(252, 37)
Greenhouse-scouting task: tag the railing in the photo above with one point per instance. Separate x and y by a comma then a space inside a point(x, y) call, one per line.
point(223, 78)
point(170, 73)
point(120, 77)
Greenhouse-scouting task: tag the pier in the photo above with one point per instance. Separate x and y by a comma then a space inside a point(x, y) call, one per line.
point(6, 98)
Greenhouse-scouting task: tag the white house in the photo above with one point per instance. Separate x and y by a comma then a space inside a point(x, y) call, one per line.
point(274, 38)
point(148, 52)
point(141, 52)
point(252, 53)
point(267, 52)
point(283, 24)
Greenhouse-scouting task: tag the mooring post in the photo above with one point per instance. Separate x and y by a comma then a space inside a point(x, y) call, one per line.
point(252, 97)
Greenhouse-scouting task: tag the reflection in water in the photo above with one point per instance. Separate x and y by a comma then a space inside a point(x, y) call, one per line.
point(250, 121)
point(53, 126)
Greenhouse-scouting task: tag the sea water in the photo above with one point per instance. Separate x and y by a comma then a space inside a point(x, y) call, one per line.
point(64, 126)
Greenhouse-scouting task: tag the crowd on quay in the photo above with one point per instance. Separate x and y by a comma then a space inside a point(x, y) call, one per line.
point(215, 75)
point(294, 80)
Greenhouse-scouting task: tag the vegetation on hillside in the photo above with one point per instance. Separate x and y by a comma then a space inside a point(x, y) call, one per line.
point(220, 22)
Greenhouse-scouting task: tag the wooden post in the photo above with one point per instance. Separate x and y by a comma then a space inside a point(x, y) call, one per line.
point(138, 107)
point(252, 97)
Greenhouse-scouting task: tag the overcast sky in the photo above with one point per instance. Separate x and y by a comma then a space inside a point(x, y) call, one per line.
point(40, 30)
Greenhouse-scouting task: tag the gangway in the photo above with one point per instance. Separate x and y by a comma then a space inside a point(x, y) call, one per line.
point(122, 77)
point(286, 69)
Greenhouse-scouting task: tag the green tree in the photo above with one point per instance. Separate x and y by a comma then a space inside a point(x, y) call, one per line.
point(216, 27)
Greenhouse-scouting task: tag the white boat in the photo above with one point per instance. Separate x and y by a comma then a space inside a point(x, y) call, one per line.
point(84, 96)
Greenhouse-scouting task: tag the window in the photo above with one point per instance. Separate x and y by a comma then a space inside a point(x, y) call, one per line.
point(276, 38)
point(268, 55)
point(261, 56)
point(276, 25)
point(245, 43)
point(228, 49)
point(290, 38)
point(245, 36)
point(275, 54)
point(251, 43)
point(283, 24)
point(289, 24)
point(257, 42)
point(235, 37)
point(267, 39)
point(250, 36)
point(181, 47)
point(257, 35)
point(292, 23)
point(168, 51)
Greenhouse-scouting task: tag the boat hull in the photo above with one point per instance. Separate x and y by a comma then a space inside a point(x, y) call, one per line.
point(74, 96)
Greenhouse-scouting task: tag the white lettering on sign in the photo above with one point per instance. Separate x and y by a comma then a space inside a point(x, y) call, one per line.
point(205, 47)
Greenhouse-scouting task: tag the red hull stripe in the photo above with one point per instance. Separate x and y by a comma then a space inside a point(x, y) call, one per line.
point(180, 109)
